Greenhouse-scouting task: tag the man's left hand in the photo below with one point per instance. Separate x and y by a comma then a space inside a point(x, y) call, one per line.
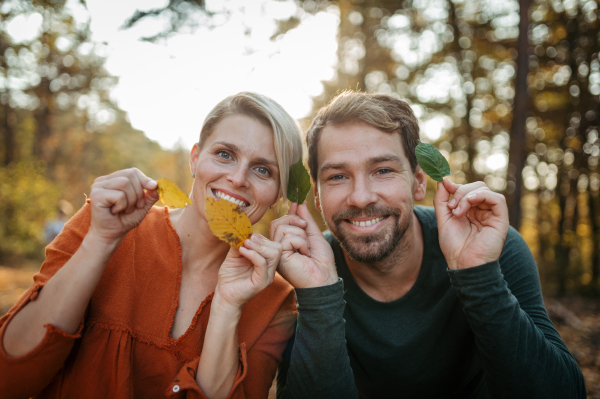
point(472, 225)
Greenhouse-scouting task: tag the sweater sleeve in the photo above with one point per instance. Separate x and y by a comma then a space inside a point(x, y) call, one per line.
point(258, 364)
point(27, 375)
point(316, 362)
point(521, 352)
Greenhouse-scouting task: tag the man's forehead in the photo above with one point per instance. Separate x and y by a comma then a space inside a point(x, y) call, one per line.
point(358, 141)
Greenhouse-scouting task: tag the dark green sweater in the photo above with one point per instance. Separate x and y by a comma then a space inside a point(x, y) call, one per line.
point(481, 332)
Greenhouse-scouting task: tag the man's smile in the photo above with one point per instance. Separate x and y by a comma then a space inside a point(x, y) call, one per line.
point(366, 224)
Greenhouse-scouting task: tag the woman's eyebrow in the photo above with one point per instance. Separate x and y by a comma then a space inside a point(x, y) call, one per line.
point(237, 149)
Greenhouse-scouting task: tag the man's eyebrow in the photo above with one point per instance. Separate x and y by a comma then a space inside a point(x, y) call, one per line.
point(371, 161)
point(329, 166)
point(237, 149)
point(384, 158)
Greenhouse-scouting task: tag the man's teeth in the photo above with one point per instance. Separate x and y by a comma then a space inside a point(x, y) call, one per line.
point(367, 223)
point(231, 199)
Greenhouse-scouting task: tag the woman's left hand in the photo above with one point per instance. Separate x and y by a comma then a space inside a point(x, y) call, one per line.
point(247, 271)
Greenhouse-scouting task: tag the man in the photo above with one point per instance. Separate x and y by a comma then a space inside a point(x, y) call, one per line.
point(440, 302)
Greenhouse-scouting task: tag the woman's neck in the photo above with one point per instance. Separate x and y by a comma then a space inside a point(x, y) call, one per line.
point(201, 251)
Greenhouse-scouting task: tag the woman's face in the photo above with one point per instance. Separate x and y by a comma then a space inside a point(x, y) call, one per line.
point(237, 162)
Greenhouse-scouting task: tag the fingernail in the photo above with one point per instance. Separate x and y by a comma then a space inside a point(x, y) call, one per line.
point(471, 196)
point(456, 210)
point(255, 238)
point(152, 183)
point(452, 202)
point(303, 221)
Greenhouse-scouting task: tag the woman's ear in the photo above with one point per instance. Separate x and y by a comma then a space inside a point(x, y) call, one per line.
point(420, 187)
point(194, 155)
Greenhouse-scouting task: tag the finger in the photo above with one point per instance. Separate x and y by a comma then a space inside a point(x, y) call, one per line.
point(449, 185)
point(292, 243)
point(462, 191)
point(312, 227)
point(292, 220)
point(440, 201)
point(114, 200)
point(487, 199)
point(125, 185)
point(269, 250)
point(260, 274)
point(464, 205)
point(138, 187)
point(287, 229)
point(293, 208)
point(150, 198)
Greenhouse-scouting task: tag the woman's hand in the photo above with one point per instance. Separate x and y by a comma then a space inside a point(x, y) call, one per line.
point(247, 271)
point(307, 259)
point(120, 201)
point(472, 225)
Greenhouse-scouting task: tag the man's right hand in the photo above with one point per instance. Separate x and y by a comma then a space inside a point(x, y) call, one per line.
point(120, 201)
point(307, 259)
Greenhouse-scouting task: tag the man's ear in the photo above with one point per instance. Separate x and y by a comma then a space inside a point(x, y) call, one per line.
point(316, 193)
point(420, 187)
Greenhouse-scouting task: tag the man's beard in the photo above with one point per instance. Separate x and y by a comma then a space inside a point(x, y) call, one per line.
point(374, 247)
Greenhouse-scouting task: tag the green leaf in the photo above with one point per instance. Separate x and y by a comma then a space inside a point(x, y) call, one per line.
point(298, 183)
point(432, 161)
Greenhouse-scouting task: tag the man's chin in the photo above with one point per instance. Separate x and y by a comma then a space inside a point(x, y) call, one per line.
point(368, 248)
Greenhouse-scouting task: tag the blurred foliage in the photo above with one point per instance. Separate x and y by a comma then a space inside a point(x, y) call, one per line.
point(27, 198)
point(59, 129)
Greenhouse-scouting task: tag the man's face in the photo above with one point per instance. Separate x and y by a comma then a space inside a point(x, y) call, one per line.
point(366, 189)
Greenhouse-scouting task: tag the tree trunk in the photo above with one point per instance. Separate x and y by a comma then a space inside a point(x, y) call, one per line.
point(517, 150)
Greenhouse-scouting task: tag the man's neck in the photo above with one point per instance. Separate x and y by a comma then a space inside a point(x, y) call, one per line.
point(391, 278)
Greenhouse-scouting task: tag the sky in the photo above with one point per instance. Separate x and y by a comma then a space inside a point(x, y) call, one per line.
point(168, 88)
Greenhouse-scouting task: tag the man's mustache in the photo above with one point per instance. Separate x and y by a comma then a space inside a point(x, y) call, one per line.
point(369, 211)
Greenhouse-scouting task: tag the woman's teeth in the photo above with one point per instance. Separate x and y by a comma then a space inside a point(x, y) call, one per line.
point(231, 199)
point(367, 223)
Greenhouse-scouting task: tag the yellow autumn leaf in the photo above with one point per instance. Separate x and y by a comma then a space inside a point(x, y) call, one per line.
point(227, 221)
point(171, 195)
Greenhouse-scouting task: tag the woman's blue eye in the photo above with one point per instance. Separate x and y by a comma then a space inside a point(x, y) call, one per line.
point(224, 154)
point(336, 177)
point(263, 171)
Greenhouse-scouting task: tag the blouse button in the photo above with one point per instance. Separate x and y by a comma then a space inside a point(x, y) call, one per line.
point(175, 388)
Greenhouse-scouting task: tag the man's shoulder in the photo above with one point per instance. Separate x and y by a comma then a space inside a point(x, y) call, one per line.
point(426, 215)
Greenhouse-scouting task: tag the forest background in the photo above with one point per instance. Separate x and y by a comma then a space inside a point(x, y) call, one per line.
point(514, 86)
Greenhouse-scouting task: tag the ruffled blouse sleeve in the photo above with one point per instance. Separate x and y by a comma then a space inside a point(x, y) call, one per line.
point(27, 375)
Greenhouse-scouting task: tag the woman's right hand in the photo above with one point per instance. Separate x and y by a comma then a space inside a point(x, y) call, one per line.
point(120, 201)
point(307, 259)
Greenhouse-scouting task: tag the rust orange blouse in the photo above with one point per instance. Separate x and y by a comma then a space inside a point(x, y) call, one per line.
point(124, 348)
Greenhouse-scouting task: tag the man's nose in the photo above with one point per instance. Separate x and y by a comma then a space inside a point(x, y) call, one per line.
point(362, 193)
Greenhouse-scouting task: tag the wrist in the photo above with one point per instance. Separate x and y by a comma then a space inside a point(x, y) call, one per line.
point(96, 245)
point(223, 309)
point(329, 279)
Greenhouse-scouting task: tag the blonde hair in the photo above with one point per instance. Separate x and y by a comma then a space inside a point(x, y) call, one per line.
point(286, 133)
point(381, 111)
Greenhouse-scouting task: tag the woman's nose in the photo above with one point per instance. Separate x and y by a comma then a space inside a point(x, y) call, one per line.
point(238, 177)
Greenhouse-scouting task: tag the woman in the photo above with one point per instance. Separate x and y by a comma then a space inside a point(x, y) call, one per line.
point(124, 310)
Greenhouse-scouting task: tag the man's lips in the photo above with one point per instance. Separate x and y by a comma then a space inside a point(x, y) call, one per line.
point(231, 197)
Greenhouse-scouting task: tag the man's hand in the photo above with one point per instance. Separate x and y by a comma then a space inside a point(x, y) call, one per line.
point(472, 225)
point(307, 259)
